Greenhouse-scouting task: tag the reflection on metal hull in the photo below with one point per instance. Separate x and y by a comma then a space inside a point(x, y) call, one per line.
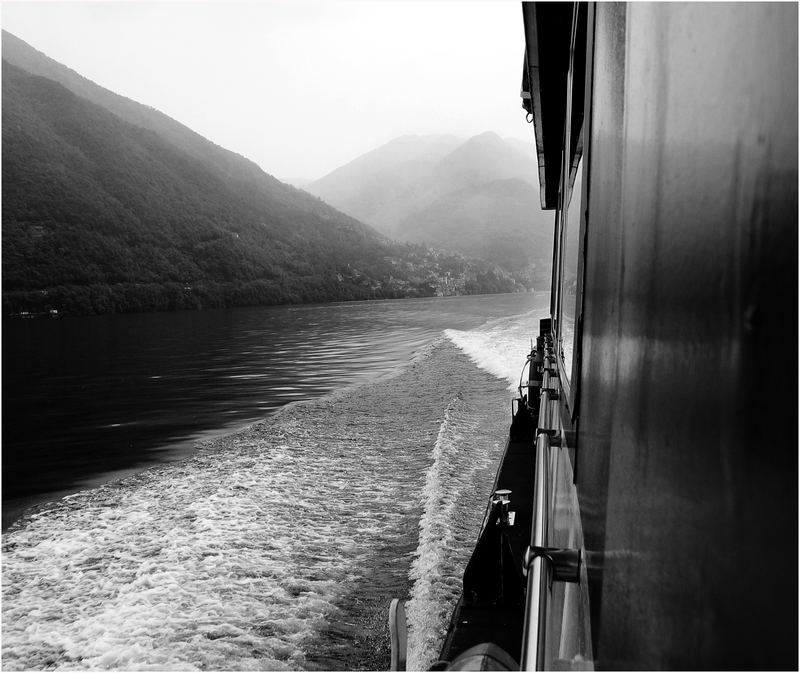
point(666, 421)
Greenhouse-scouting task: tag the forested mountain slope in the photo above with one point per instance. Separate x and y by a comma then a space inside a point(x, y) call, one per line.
point(128, 210)
point(19, 53)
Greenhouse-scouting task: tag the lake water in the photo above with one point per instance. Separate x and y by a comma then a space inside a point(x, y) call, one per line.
point(278, 546)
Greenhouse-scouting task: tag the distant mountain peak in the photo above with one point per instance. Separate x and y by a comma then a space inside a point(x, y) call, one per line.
point(487, 157)
point(475, 196)
point(409, 147)
point(487, 142)
point(485, 137)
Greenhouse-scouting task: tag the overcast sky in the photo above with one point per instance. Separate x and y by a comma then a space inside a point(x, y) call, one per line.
point(298, 86)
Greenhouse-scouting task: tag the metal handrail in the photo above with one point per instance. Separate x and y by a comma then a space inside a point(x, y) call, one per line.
point(543, 422)
point(533, 644)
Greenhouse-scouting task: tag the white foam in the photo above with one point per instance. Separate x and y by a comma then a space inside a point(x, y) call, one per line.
point(229, 561)
point(500, 346)
point(238, 558)
point(456, 485)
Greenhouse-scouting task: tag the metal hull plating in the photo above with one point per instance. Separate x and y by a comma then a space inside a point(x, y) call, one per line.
point(686, 450)
point(663, 392)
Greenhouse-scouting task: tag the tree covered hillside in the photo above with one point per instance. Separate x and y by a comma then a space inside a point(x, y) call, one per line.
point(100, 215)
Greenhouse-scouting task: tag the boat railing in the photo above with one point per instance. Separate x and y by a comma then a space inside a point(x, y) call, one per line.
point(533, 644)
point(542, 563)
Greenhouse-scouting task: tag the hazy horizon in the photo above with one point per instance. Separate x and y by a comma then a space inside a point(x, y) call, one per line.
point(299, 87)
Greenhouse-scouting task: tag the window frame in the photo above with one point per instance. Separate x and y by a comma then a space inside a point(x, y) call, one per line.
point(567, 200)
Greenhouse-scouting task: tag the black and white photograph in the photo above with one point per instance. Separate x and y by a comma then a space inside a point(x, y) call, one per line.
point(399, 335)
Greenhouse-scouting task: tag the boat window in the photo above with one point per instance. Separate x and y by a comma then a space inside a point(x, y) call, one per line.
point(569, 271)
point(555, 311)
point(570, 218)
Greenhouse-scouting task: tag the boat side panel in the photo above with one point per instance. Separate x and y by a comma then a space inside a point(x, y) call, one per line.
point(687, 444)
point(602, 299)
point(569, 645)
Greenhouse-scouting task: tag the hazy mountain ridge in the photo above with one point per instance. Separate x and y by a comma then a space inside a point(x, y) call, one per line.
point(484, 158)
point(101, 213)
point(372, 187)
point(491, 220)
point(479, 198)
point(21, 54)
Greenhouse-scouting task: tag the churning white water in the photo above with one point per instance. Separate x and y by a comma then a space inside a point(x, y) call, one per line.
point(279, 547)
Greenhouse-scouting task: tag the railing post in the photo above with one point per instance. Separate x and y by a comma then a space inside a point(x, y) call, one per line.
point(542, 563)
point(538, 573)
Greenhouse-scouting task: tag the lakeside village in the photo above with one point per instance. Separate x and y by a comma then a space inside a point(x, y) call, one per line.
point(444, 284)
point(438, 274)
point(441, 285)
point(410, 279)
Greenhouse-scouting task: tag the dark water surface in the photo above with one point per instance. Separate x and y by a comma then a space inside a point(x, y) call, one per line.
point(88, 399)
point(275, 547)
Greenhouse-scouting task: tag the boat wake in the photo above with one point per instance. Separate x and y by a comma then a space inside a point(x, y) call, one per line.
point(459, 474)
point(500, 346)
point(276, 548)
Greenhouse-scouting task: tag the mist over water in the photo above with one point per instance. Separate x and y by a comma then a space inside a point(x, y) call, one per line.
point(281, 546)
